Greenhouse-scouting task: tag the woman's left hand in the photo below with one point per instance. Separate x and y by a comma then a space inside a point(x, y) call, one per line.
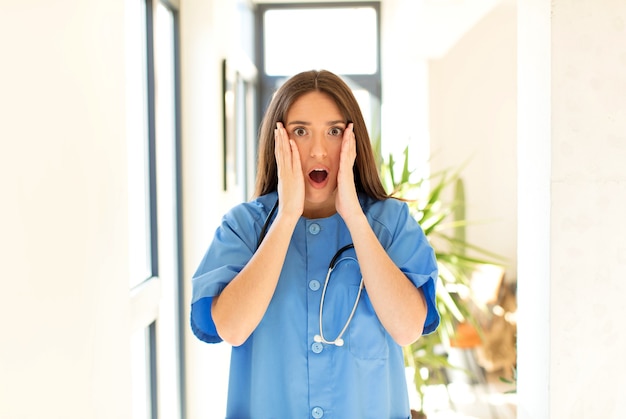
point(346, 199)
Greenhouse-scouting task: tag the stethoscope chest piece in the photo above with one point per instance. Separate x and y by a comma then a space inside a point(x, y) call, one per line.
point(336, 342)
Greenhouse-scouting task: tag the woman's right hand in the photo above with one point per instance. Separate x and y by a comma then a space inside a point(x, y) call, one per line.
point(290, 178)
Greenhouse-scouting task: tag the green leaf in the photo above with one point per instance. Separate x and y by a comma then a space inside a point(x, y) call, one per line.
point(443, 222)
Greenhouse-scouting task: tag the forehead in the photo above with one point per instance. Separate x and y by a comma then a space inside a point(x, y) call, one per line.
point(314, 106)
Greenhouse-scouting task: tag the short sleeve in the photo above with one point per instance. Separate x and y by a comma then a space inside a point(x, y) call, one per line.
point(233, 245)
point(407, 245)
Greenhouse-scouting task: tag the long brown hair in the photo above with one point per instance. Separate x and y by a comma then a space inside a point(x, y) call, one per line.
point(366, 176)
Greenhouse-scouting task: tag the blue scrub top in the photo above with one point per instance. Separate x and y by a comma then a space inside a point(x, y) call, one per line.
point(280, 371)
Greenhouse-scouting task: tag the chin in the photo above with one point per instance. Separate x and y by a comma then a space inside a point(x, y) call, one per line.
point(320, 196)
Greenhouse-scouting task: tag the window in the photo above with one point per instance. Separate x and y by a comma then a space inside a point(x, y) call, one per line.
point(339, 37)
point(153, 170)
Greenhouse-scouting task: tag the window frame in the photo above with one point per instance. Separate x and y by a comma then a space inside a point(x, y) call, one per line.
point(369, 82)
point(146, 296)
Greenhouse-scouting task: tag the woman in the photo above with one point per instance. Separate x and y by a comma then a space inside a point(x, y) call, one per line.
point(306, 342)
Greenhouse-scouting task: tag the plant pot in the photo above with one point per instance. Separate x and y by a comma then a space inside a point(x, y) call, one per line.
point(417, 415)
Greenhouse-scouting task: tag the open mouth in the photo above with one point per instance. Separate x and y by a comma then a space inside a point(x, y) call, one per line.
point(318, 175)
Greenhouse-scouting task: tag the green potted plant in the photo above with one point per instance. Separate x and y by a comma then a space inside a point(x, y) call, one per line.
point(444, 224)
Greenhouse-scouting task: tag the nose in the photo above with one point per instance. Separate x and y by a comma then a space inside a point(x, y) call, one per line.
point(318, 146)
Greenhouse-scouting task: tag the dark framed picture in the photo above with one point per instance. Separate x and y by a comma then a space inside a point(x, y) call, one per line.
point(239, 81)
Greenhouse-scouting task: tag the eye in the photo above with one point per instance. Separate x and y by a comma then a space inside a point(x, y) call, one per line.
point(299, 132)
point(336, 131)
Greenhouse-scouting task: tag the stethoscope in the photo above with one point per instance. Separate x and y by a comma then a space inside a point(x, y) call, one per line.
point(319, 338)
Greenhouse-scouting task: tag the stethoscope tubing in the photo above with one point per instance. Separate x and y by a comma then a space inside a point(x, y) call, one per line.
point(338, 341)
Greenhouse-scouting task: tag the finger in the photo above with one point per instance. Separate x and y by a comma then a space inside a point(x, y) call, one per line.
point(348, 147)
point(352, 138)
point(281, 147)
point(277, 151)
point(295, 157)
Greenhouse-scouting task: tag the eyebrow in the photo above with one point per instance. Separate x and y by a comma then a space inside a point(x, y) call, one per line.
point(338, 121)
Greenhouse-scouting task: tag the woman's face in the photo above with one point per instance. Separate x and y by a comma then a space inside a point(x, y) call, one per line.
point(315, 123)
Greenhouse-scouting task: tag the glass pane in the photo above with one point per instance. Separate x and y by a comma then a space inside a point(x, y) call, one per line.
point(137, 139)
point(342, 40)
point(140, 358)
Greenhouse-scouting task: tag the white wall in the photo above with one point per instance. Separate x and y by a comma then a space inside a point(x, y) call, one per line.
point(452, 96)
point(202, 196)
point(571, 276)
point(405, 86)
point(472, 104)
point(64, 301)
